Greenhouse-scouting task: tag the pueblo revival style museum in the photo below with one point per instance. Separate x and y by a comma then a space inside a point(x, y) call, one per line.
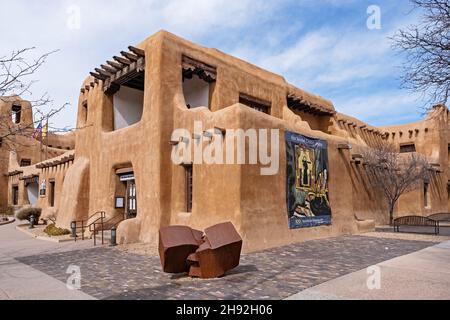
point(119, 162)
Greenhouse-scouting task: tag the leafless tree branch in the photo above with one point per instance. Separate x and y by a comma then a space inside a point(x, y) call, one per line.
point(427, 47)
point(394, 174)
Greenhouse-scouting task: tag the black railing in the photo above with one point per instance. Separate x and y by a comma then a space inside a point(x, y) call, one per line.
point(83, 224)
point(100, 225)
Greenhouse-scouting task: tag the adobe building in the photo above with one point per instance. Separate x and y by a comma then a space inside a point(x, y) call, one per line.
point(120, 160)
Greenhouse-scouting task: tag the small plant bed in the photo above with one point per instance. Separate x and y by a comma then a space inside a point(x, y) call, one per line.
point(53, 231)
point(46, 232)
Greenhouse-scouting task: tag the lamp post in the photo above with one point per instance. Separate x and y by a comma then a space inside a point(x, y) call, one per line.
point(113, 237)
point(73, 227)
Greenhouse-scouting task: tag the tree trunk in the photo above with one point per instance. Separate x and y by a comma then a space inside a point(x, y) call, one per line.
point(391, 213)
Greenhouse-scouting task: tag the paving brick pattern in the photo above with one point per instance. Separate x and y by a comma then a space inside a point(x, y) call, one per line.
point(108, 273)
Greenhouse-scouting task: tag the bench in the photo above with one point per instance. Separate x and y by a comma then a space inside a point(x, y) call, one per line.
point(443, 218)
point(416, 221)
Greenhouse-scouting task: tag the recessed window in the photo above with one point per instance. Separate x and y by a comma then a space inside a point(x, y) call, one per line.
point(51, 196)
point(189, 187)
point(426, 195)
point(16, 112)
point(15, 195)
point(123, 81)
point(405, 148)
point(255, 103)
point(84, 112)
point(25, 162)
point(198, 83)
point(128, 105)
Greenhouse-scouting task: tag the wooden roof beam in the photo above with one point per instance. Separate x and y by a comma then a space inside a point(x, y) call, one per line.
point(137, 51)
point(98, 76)
point(114, 64)
point(122, 60)
point(108, 68)
point(130, 56)
point(103, 72)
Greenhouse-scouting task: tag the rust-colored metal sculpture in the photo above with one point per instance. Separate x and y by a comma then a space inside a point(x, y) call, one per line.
point(208, 255)
point(176, 243)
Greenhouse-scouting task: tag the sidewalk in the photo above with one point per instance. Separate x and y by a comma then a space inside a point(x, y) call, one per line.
point(423, 275)
point(20, 281)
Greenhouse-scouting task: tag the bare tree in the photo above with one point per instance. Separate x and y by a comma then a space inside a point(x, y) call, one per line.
point(394, 174)
point(427, 48)
point(15, 80)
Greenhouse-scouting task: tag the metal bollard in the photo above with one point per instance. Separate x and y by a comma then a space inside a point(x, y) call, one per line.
point(113, 237)
point(73, 227)
point(32, 222)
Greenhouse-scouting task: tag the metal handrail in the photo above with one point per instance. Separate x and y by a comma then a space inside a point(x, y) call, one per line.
point(104, 225)
point(84, 226)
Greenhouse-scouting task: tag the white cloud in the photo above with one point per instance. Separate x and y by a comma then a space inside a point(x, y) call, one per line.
point(382, 107)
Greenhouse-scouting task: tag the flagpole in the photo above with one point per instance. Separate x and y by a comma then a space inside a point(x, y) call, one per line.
point(40, 142)
point(46, 140)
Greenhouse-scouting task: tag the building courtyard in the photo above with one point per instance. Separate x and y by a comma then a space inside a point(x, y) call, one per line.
point(332, 268)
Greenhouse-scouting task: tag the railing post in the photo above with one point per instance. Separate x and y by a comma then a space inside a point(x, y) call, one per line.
point(95, 243)
point(102, 230)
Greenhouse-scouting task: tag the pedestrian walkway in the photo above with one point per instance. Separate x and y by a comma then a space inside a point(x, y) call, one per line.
point(424, 275)
point(21, 281)
point(110, 273)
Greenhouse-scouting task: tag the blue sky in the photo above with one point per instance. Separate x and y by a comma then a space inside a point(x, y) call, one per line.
point(321, 46)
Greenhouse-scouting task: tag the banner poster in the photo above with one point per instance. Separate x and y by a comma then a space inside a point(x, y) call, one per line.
point(307, 181)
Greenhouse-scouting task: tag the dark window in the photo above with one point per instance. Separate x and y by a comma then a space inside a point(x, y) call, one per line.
point(85, 110)
point(16, 112)
point(408, 148)
point(188, 172)
point(15, 195)
point(426, 195)
point(1, 141)
point(255, 103)
point(51, 198)
point(25, 162)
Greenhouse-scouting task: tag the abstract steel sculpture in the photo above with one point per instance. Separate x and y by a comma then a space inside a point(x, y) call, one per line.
point(208, 255)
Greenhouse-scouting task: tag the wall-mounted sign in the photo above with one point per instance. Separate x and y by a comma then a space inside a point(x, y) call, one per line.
point(120, 202)
point(127, 177)
point(307, 181)
point(42, 188)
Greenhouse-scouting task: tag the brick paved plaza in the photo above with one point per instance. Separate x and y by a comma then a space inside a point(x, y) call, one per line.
point(109, 273)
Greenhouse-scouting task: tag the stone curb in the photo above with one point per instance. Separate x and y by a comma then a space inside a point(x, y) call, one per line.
point(41, 237)
point(7, 222)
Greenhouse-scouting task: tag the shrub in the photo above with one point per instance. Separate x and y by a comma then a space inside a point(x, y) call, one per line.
point(8, 211)
point(53, 230)
point(26, 213)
